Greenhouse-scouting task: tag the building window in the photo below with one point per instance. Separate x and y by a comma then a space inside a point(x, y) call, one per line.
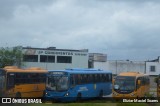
point(30, 58)
point(152, 68)
point(64, 59)
point(45, 58)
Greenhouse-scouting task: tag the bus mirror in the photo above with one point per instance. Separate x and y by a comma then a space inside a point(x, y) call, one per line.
point(139, 82)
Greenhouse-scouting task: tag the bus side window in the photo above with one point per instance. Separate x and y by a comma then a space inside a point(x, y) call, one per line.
point(78, 79)
point(2, 82)
point(42, 77)
point(104, 77)
point(90, 78)
point(74, 79)
point(82, 79)
point(10, 80)
point(98, 78)
point(95, 78)
point(85, 79)
point(71, 79)
point(143, 81)
point(107, 77)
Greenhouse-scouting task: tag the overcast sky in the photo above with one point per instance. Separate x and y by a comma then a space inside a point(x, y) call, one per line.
point(122, 29)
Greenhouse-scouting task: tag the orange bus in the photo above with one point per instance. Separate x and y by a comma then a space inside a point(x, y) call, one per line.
point(131, 84)
point(16, 82)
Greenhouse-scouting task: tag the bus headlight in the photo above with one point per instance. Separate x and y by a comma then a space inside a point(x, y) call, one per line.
point(67, 94)
point(47, 94)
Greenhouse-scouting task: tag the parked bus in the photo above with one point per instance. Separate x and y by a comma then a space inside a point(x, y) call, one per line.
point(15, 82)
point(77, 84)
point(131, 84)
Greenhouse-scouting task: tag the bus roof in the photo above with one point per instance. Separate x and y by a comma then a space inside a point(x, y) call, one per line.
point(131, 74)
point(82, 71)
point(28, 70)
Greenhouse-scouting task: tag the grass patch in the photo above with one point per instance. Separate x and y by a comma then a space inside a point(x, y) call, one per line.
point(132, 104)
point(72, 104)
point(157, 104)
point(85, 104)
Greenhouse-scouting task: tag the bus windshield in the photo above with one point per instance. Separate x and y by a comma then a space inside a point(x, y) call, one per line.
point(57, 83)
point(124, 84)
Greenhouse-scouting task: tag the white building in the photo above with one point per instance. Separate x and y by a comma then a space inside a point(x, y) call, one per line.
point(54, 59)
point(153, 67)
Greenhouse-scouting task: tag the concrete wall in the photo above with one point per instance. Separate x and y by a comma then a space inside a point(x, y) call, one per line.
point(121, 66)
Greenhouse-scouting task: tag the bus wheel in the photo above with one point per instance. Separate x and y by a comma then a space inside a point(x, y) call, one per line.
point(101, 94)
point(79, 97)
point(18, 95)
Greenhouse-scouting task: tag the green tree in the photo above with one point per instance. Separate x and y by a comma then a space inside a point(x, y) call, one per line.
point(11, 56)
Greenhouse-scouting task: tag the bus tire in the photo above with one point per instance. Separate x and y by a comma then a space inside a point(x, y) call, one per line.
point(18, 95)
point(78, 97)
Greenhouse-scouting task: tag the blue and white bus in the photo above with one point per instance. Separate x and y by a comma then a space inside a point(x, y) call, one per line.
point(77, 84)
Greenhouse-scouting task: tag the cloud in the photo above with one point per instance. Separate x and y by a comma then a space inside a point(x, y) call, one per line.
point(122, 29)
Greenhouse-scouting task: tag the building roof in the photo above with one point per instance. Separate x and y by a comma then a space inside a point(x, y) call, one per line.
point(54, 48)
point(131, 74)
point(28, 70)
